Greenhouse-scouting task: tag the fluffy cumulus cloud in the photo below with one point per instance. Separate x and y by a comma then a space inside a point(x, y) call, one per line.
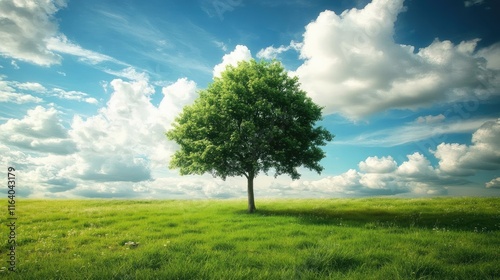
point(115, 144)
point(482, 154)
point(378, 165)
point(176, 96)
point(40, 130)
point(353, 66)
point(417, 166)
point(240, 53)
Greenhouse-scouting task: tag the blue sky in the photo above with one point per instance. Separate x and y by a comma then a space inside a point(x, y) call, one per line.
point(411, 89)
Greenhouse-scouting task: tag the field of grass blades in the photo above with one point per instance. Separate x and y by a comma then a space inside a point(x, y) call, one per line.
point(375, 238)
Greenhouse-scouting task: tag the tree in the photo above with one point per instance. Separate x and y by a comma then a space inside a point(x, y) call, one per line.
point(252, 119)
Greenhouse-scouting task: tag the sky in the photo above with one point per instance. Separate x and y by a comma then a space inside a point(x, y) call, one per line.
point(410, 89)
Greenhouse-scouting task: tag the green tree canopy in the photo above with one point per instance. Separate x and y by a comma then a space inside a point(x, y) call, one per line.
point(252, 119)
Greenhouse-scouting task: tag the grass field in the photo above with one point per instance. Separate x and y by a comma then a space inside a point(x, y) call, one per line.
point(441, 238)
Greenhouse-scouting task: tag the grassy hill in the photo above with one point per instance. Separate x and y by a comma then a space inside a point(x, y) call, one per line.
point(441, 238)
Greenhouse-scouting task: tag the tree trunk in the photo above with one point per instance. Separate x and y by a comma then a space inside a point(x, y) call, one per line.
point(251, 202)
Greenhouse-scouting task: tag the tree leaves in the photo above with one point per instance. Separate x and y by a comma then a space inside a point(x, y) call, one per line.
point(252, 119)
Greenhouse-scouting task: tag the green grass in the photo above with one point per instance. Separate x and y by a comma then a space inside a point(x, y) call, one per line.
point(441, 238)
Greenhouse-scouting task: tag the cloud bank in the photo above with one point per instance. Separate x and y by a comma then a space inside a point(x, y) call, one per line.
point(124, 142)
point(417, 176)
point(122, 152)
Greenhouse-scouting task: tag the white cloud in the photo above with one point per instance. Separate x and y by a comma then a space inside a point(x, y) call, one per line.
point(344, 183)
point(482, 154)
point(42, 173)
point(90, 100)
point(381, 176)
point(492, 56)
point(39, 122)
point(176, 96)
point(6, 86)
point(12, 157)
point(417, 166)
point(74, 95)
point(103, 190)
point(31, 87)
point(126, 140)
point(193, 187)
point(40, 131)
point(376, 165)
point(8, 92)
point(110, 149)
point(18, 98)
point(493, 184)
point(121, 151)
point(240, 53)
point(26, 27)
point(449, 156)
point(272, 52)
point(109, 167)
point(352, 65)
point(121, 143)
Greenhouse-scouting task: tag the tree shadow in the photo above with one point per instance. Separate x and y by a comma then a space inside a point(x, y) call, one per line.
point(374, 217)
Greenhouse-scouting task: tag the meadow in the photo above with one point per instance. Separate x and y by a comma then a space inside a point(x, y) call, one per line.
point(375, 238)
